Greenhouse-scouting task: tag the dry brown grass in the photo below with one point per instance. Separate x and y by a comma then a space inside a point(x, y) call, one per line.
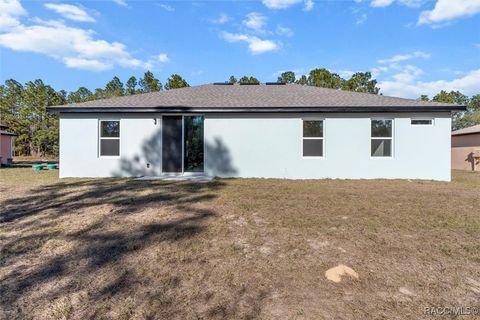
point(235, 248)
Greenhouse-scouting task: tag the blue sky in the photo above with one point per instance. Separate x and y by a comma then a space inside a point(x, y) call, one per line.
point(412, 47)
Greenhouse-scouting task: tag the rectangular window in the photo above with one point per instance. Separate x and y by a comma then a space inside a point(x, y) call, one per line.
point(193, 143)
point(381, 138)
point(312, 138)
point(421, 122)
point(109, 138)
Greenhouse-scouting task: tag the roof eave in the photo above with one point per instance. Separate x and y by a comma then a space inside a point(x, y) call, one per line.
point(464, 133)
point(181, 109)
point(8, 134)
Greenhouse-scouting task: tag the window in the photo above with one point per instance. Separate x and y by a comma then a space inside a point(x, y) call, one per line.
point(381, 138)
point(193, 143)
point(109, 138)
point(421, 122)
point(312, 138)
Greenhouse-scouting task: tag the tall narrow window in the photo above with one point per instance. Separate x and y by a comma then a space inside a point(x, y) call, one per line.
point(312, 138)
point(109, 138)
point(193, 143)
point(381, 136)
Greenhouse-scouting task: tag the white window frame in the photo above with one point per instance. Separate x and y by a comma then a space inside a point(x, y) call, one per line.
point(382, 138)
point(422, 125)
point(313, 138)
point(100, 138)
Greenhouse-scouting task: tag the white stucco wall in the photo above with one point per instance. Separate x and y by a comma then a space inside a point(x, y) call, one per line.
point(140, 143)
point(264, 145)
point(270, 147)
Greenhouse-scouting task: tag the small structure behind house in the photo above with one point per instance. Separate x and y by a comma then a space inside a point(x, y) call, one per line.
point(466, 148)
point(7, 139)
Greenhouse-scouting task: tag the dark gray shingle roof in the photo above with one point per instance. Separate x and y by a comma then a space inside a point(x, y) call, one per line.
point(234, 97)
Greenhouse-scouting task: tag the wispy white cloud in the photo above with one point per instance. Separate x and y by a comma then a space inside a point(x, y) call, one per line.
point(87, 64)
point(283, 4)
point(10, 12)
point(75, 47)
point(222, 18)
point(400, 77)
point(253, 31)
point(346, 74)
point(70, 11)
point(412, 3)
point(122, 3)
point(448, 10)
point(406, 84)
point(386, 3)
point(362, 18)
point(166, 7)
point(255, 44)
point(163, 57)
point(381, 3)
point(255, 21)
point(284, 31)
point(308, 5)
point(405, 57)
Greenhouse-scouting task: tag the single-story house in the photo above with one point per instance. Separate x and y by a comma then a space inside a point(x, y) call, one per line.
point(466, 148)
point(7, 139)
point(267, 130)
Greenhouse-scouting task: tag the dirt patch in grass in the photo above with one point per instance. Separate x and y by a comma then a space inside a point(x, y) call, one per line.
point(235, 248)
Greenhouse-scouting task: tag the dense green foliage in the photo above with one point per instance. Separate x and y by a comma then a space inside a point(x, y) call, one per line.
point(359, 82)
point(176, 82)
point(23, 107)
point(287, 77)
point(248, 80)
point(460, 119)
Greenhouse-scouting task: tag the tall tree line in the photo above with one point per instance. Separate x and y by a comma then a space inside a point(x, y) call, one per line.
point(116, 88)
point(23, 108)
point(358, 82)
point(462, 119)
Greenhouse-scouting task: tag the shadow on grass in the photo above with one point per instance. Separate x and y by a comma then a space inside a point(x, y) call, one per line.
point(32, 219)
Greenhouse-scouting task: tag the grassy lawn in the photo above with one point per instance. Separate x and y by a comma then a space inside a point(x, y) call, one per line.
point(235, 248)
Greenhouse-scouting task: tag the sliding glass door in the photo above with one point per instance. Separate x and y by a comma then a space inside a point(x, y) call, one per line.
point(182, 147)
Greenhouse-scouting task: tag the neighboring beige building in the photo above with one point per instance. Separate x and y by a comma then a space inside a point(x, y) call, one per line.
point(466, 148)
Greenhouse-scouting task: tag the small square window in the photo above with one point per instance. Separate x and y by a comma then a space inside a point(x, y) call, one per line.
point(313, 147)
point(110, 129)
point(313, 128)
point(381, 148)
point(381, 128)
point(110, 147)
